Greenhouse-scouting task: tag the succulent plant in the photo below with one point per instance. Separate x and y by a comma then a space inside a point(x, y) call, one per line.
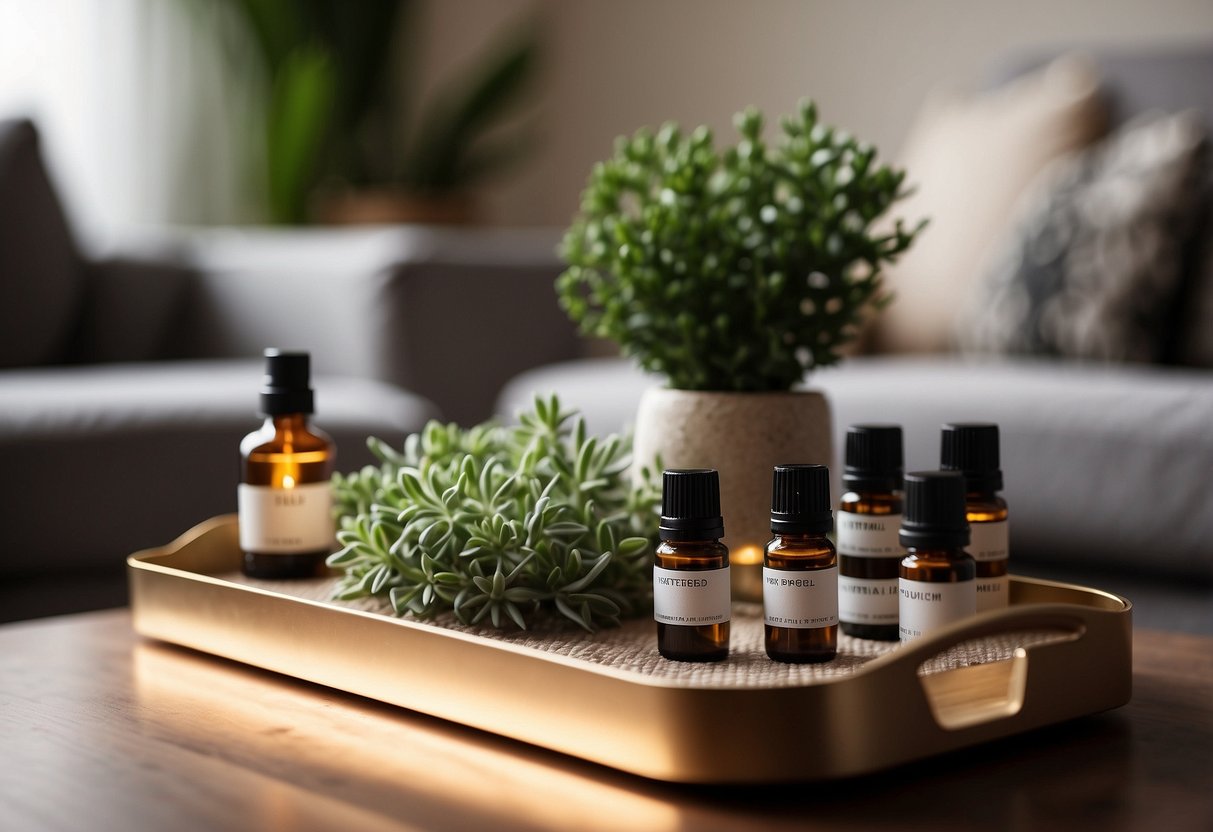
point(500, 523)
point(740, 270)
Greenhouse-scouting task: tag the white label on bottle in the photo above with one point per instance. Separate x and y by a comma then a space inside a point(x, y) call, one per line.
point(799, 598)
point(925, 607)
point(285, 521)
point(992, 593)
point(988, 541)
point(867, 600)
point(869, 535)
point(691, 598)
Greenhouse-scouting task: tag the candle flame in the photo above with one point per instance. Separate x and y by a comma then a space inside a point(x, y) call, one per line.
point(747, 554)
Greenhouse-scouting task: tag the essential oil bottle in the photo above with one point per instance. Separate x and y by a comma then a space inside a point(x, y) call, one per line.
point(869, 520)
point(937, 583)
point(800, 568)
point(972, 449)
point(284, 498)
point(691, 598)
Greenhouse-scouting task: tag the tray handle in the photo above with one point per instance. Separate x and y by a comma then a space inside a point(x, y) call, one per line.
point(978, 695)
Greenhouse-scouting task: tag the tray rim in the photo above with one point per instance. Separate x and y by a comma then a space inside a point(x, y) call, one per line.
point(660, 717)
point(146, 560)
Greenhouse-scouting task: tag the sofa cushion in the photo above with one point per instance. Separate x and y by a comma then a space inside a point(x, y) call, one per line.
point(969, 159)
point(101, 460)
point(380, 301)
point(1107, 466)
point(132, 310)
point(1097, 252)
point(40, 273)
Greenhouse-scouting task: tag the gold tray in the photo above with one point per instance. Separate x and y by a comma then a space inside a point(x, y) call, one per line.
point(1056, 653)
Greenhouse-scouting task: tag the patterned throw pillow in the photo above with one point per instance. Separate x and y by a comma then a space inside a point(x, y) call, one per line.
point(1096, 255)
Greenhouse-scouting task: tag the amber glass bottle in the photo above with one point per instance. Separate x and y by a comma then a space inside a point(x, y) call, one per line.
point(285, 501)
point(972, 449)
point(800, 568)
point(937, 584)
point(691, 600)
point(869, 519)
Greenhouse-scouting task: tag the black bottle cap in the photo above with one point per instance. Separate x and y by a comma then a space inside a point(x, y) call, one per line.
point(972, 449)
point(800, 500)
point(690, 505)
point(935, 511)
point(873, 458)
point(286, 386)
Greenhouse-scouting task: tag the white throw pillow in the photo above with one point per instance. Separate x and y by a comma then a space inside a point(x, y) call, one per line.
point(969, 159)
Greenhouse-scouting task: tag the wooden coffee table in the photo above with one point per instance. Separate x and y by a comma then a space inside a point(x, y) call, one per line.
point(100, 729)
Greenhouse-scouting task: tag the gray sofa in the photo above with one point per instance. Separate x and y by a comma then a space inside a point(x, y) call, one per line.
point(128, 377)
point(1109, 467)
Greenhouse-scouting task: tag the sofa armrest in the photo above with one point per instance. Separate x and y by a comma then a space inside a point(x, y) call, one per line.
point(450, 314)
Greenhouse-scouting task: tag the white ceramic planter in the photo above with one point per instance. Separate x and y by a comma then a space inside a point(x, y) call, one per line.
point(744, 436)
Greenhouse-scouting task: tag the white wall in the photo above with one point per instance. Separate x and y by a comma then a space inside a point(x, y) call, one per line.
point(145, 125)
point(614, 65)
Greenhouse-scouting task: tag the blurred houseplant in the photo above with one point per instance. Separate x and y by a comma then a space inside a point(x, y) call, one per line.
point(335, 139)
point(734, 274)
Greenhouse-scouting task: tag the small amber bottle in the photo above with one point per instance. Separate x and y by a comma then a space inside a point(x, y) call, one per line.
point(937, 585)
point(869, 520)
point(691, 600)
point(800, 569)
point(285, 498)
point(972, 449)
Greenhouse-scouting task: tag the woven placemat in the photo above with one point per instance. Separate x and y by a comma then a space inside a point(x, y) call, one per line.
point(632, 647)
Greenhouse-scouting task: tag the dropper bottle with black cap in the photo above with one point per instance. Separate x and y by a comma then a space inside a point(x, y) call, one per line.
point(937, 585)
point(284, 497)
point(869, 520)
point(800, 568)
point(972, 449)
point(691, 600)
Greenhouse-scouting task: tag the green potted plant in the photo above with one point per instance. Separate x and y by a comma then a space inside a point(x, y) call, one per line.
point(338, 143)
point(734, 274)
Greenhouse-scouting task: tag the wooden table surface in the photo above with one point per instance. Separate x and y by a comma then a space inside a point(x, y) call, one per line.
point(100, 730)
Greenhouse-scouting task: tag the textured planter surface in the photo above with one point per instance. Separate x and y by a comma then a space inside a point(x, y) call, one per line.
point(742, 435)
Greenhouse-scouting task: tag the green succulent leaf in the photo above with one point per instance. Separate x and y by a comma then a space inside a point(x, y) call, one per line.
point(501, 525)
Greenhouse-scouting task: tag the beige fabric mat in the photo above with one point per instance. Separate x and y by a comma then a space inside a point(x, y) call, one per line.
point(632, 647)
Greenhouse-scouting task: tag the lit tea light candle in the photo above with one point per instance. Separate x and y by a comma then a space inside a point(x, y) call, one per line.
point(746, 560)
point(747, 555)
